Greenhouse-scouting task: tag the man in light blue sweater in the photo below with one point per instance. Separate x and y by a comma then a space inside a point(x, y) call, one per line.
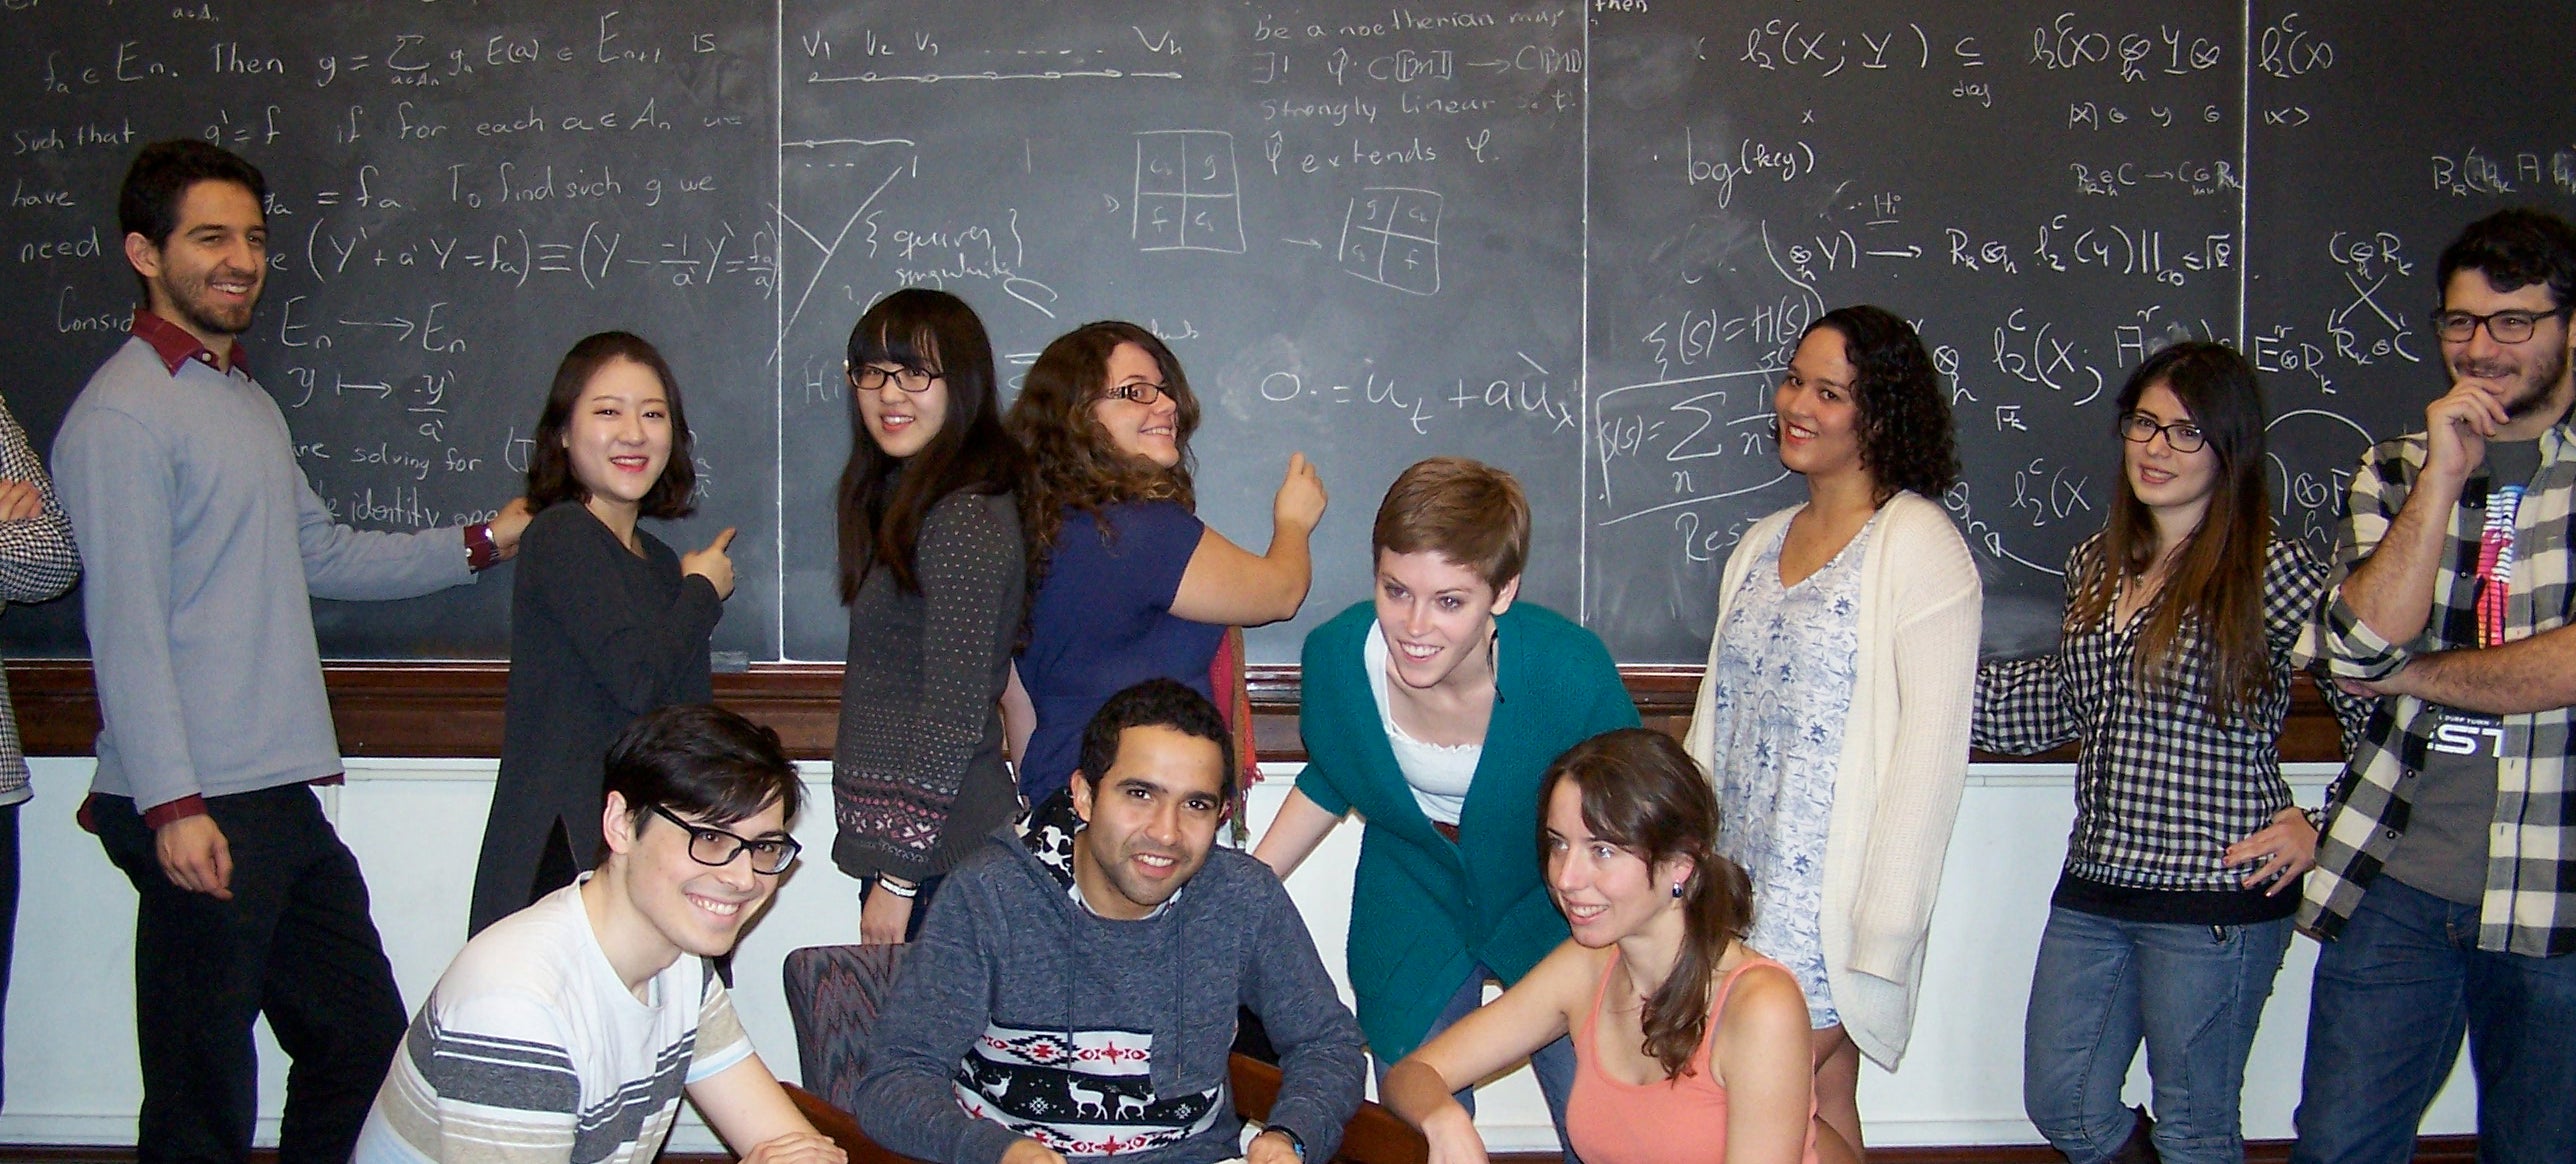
point(1075, 995)
point(203, 545)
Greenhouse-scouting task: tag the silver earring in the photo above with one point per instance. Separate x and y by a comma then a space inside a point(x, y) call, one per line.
point(1677, 889)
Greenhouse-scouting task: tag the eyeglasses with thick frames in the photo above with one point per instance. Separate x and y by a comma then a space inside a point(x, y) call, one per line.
point(2182, 435)
point(2505, 327)
point(715, 847)
point(871, 378)
point(1145, 392)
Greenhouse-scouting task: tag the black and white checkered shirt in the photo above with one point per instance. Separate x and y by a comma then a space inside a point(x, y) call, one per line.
point(37, 561)
point(2162, 785)
point(2530, 902)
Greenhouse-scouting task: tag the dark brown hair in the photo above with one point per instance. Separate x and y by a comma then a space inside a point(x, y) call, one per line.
point(1073, 462)
point(550, 476)
point(881, 509)
point(1466, 511)
point(1905, 439)
point(147, 203)
point(2216, 582)
point(1645, 794)
point(702, 761)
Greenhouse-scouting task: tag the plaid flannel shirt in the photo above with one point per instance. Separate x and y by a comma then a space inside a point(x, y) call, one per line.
point(2163, 784)
point(2530, 901)
point(37, 561)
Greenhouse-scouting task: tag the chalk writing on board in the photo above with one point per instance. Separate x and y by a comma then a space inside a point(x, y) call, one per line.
point(2308, 500)
point(1391, 237)
point(1188, 196)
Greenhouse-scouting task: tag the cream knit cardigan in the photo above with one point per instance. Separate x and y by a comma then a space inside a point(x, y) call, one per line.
point(1904, 758)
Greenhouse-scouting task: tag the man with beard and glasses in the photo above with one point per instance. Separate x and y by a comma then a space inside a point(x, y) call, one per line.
point(1074, 994)
point(203, 546)
point(2445, 887)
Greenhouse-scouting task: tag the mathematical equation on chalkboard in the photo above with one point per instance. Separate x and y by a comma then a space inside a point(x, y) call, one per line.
point(1578, 240)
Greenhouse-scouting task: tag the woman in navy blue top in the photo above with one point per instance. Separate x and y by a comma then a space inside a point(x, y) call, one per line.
point(1127, 584)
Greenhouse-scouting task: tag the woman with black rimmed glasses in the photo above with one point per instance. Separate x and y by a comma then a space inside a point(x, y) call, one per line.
point(1128, 583)
point(2172, 912)
point(931, 569)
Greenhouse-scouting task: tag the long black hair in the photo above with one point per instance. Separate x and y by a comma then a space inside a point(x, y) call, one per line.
point(882, 509)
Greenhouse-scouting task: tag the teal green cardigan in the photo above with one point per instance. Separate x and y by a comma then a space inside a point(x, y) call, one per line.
point(1425, 910)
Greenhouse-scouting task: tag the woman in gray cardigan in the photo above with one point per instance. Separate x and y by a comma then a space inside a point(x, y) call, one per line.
point(931, 568)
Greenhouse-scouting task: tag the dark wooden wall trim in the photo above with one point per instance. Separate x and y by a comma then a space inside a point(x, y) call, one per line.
point(454, 709)
point(2428, 1150)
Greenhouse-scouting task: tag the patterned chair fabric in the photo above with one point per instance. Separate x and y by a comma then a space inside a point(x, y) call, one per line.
point(834, 994)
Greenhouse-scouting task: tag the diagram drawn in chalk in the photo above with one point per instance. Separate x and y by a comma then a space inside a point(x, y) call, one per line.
point(1187, 192)
point(1391, 237)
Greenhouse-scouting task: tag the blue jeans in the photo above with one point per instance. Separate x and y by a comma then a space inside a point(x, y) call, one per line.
point(1553, 1064)
point(2393, 994)
point(2192, 993)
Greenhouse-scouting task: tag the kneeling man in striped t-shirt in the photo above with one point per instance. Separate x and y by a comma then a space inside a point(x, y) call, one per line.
point(567, 1031)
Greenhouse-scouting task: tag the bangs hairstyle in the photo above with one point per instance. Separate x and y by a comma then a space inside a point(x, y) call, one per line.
point(2514, 249)
point(2216, 581)
point(550, 475)
point(1466, 511)
point(881, 509)
point(701, 761)
point(1905, 439)
point(1073, 462)
point(1642, 792)
point(1165, 703)
point(159, 180)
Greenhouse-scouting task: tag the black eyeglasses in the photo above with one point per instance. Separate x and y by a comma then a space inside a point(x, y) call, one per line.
point(2182, 435)
point(709, 845)
point(2506, 327)
point(871, 378)
point(1141, 391)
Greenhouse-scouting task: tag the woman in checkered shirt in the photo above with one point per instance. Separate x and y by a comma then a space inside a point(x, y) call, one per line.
point(2172, 912)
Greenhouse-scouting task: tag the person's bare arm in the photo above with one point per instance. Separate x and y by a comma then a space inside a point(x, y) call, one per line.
point(2392, 588)
point(1292, 836)
point(1533, 1013)
point(746, 1106)
point(1765, 1064)
point(2516, 678)
point(1228, 585)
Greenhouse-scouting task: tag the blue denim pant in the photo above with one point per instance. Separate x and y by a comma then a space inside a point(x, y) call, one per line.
point(1553, 1064)
point(2191, 993)
point(2393, 994)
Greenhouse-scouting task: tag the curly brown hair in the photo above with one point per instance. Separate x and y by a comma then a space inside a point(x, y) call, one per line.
point(1905, 439)
point(1073, 462)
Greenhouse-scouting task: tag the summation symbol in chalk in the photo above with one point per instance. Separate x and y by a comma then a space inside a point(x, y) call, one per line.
point(1391, 237)
point(1187, 192)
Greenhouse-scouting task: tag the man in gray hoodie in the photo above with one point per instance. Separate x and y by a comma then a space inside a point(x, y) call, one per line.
point(1074, 993)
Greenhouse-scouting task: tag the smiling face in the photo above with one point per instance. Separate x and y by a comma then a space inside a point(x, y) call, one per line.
point(670, 903)
point(1606, 892)
point(1148, 432)
point(1437, 616)
point(618, 438)
point(1149, 821)
point(206, 277)
point(1819, 420)
point(2174, 485)
point(902, 423)
point(2530, 376)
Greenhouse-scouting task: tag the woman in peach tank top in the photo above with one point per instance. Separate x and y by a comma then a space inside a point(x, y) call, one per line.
point(1688, 1045)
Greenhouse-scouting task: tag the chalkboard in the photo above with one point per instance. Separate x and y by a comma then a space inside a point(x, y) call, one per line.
point(458, 192)
point(1573, 240)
